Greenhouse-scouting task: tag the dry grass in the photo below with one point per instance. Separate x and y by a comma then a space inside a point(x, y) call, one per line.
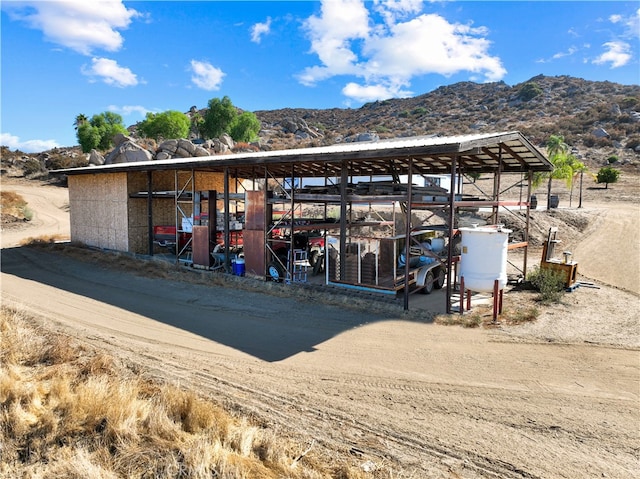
point(516, 310)
point(14, 206)
point(66, 411)
point(43, 239)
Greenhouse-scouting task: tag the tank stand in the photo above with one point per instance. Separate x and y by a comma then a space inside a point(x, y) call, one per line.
point(497, 298)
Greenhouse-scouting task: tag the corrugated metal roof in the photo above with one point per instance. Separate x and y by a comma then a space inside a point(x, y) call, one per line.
point(481, 153)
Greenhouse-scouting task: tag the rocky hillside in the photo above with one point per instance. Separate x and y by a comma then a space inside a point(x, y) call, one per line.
point(595, 118)
point(598, 119)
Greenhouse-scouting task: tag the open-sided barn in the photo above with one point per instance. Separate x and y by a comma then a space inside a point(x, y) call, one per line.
point(256, 199)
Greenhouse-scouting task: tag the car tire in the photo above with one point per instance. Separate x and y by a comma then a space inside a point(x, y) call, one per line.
point(276, 272)
point(440, 277)
point(313, 258)
point(428, 283)
point(319, 266)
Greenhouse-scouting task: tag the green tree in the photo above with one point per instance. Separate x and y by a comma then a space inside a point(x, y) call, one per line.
point(99, 131)
point(88, 137)
point(245, 127)
point(529, 91)
point(169, 124)
point(607, 175)
point(218, 117)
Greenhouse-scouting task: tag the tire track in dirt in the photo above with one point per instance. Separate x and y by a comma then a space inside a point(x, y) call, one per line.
point(390, 391)
point(610, 251)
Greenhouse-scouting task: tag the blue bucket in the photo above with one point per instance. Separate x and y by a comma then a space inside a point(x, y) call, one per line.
point(238, 267)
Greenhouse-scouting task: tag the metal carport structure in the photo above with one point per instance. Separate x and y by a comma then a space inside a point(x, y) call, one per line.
point(490, 153)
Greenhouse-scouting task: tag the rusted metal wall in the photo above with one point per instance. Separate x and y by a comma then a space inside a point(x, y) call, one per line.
point(254, 248)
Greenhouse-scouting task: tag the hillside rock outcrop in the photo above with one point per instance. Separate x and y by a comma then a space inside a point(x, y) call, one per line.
point(127, 151)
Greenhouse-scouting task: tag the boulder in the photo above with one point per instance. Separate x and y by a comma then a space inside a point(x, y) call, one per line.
point(182, 153)
point(169, 146)
point(228, 141)
point(600, 133)
point(219, 147)
point(187, 146)
point(369, 136)
point(119, 138)
point(128, 152)
point(95, 158)
point(200, 151)
point(299, 128)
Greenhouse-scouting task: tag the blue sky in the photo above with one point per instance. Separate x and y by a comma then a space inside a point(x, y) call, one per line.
point(61, 59)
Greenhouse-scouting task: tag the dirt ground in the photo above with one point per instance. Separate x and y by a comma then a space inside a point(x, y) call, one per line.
point(555, 398)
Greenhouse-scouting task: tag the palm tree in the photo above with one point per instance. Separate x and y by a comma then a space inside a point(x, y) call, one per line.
point(557, 150)
point(577, 167)
point(81, 119)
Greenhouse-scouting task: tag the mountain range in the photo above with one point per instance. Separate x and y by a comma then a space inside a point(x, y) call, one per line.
point(600, 121)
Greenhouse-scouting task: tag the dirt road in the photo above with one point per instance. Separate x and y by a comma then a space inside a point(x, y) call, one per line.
point(419, 399)
point(49, 205)
point(610, 249)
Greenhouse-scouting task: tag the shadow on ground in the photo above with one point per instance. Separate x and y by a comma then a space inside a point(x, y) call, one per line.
point(267, 327)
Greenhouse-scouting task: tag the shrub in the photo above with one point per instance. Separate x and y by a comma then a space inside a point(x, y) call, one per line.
point(613, 159)
point(549, 283)
point(607, 175)
point(629, 102)
point(529, 91)
point(32, 166)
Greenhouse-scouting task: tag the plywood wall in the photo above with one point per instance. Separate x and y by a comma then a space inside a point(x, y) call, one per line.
point(164, 212)
point(104, 215)
point(98, 210)
point(163, 208)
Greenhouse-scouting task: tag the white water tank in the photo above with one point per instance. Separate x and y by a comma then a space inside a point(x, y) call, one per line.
point(483, 257)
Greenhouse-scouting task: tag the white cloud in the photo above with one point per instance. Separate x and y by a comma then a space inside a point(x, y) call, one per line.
point(28, 146)
point(259, 30)
point(568, 53)
point(365, 93)
point(206, 76)
point(631, 24)
point(392, 10)
point(331, 34)
point(127, 110)
point(617, 54)
point(110, 73)
point(430, 44)
point(615, 18)
point(76, 24)
point(387, 57)
point(557, 56)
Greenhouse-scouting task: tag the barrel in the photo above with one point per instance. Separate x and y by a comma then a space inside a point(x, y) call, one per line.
point(239, 267)
point(554, 201)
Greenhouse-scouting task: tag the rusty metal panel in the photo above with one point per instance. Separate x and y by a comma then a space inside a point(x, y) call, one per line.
point(254, 253)
point(254, 211)
point(200, 245)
